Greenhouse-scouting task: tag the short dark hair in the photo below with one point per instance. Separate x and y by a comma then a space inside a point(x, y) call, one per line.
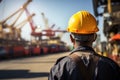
point(83, 37)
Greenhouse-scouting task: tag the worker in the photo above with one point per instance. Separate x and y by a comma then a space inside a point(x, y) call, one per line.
point(83, 63)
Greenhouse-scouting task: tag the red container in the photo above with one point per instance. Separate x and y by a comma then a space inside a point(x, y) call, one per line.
point(36, 51)
point(26, 51)
point(45, 50)
point(18, 51)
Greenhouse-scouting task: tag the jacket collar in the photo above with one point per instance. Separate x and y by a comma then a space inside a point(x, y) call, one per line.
point(83, 49)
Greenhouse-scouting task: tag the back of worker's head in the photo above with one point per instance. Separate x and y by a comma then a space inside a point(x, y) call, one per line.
point(82, 26)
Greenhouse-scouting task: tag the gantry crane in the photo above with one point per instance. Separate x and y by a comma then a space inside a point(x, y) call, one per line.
point(49, 29)
point(33, 27)
point(3, 24)
point(50, 33)
point(20, 25)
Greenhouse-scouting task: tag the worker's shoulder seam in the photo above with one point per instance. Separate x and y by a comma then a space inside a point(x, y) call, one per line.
point(59, 59)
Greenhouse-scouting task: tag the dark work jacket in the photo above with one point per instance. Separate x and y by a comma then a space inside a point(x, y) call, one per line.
point(66, 69)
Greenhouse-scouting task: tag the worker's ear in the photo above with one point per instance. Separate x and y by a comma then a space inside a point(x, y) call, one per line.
point(72, 39)
point(95, 37)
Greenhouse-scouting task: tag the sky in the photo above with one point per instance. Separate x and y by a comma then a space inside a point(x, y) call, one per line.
point(57, 12)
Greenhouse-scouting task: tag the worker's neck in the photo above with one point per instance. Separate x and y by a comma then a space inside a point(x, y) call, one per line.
point(77, 45)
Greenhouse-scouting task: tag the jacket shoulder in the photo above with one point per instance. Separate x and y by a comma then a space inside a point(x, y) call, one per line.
point(110, 62)
point(59, 59)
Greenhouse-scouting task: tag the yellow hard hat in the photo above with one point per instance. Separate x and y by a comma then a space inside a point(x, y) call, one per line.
point(82, 22)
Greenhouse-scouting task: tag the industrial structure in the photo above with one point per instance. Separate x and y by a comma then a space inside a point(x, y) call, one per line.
point(109, 10)
point(111, 15)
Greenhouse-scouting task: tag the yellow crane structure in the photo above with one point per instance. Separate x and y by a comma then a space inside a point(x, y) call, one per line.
point(4, 25)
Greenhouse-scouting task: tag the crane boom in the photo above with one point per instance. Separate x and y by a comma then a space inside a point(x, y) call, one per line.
point(20, 25)
point(23, 7)
point(17, 18)
point(31, 21)
point(11, 33)
point(24, 21)
point(45, 20)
